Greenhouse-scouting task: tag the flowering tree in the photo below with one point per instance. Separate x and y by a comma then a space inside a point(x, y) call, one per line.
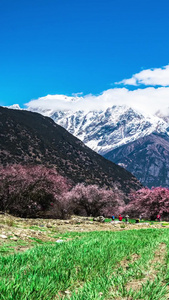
point(31, 191)
point(27, 190)
point(149, 202)
point(95, 201)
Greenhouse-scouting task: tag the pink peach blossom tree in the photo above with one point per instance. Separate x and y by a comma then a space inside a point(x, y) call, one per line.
point(27, 190)
point(92, 200)
point(149, 202)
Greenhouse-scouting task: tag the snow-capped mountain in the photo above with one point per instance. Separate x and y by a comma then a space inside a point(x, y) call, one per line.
point(135, 141)
point(14, 106)
point(108, 129)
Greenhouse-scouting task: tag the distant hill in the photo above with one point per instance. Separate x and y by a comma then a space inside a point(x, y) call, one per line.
point(30, 138)
point(147, 158)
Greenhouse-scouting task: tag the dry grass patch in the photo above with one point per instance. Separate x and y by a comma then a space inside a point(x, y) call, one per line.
point(125, 263)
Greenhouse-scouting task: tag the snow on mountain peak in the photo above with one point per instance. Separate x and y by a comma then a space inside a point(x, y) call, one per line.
point(108, 129)
point(15, 106)
point(101, 129)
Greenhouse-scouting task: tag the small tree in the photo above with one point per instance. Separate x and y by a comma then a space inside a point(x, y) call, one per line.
point(92, 200)
point(149, 202)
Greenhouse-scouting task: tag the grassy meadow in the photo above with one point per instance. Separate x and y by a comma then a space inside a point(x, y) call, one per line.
point(118, 265)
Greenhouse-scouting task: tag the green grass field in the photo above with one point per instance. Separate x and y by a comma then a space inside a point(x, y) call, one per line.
point(92, 265)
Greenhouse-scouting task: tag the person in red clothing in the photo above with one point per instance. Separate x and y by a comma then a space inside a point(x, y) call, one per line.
point(120, 218)
point(158, 217)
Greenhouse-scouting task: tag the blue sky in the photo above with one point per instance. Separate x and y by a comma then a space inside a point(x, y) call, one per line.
point(72, 46)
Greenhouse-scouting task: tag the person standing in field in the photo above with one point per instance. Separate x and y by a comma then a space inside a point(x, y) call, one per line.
point(120, 217)
point(158, 217)
point(127, 218)
point(113, 217)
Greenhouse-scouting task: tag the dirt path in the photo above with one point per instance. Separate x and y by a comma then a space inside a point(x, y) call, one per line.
point(29, 231)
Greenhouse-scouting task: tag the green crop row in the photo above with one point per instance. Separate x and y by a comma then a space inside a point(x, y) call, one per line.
point(95, 265)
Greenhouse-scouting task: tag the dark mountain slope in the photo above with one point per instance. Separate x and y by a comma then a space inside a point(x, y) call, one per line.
point(27, 137)
point(147, 158)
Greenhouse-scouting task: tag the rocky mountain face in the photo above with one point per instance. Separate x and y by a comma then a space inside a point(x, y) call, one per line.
point(106, 130)
point(147, 158)
point(30, 138)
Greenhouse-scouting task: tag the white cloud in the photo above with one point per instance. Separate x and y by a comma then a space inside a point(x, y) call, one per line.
point(151, 77)
point(147, 100)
